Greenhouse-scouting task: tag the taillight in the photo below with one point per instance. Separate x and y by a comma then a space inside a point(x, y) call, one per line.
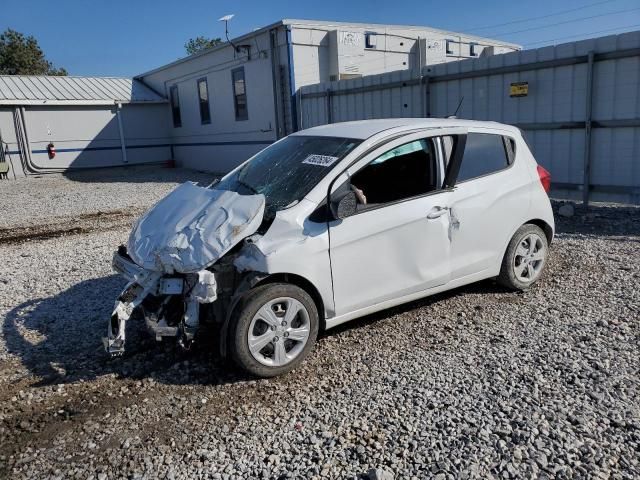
point(545, 178)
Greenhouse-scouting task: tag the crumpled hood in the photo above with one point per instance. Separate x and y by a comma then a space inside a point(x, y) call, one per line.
point(192, 227)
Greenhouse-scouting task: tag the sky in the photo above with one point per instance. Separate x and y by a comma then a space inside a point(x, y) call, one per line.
point(125, 38)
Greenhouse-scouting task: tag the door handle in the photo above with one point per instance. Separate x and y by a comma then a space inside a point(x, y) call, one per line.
point(437, 212)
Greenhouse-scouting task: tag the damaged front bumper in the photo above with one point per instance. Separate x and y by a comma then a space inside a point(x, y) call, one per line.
point(169, 256)
point(188, 291)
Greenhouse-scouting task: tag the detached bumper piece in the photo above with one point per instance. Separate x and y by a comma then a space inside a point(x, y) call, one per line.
point(133, 294)
point(188, 292)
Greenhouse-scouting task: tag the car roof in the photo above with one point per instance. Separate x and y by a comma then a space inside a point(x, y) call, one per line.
point(363, 129)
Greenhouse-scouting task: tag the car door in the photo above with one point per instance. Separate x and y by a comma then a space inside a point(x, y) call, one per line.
point(396, 244)
point(485, 201)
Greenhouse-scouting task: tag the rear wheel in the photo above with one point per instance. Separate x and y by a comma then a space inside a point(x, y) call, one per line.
point(273, 329)
point(525, 258)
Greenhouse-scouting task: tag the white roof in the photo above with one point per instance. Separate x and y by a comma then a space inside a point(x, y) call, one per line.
point(325, 23)
point(53, 90)
point(363, 129)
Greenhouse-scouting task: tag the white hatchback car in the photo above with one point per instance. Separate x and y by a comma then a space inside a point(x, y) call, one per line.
point(330, 224)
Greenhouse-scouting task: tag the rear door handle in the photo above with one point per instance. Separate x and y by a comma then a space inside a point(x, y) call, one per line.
point(437, 212)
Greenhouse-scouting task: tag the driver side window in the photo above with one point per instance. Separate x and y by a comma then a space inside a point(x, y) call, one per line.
point(406, 171)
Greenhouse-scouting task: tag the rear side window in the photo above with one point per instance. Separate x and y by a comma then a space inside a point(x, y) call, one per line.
point(484, 153)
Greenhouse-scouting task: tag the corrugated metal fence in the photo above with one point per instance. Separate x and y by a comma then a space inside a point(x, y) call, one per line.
point(581, 114)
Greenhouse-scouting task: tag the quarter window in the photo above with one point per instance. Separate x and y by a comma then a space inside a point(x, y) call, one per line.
point(203, 99)
point(239, 94)
point(406, 171)
point(483, 154)
point(448, 144)
point(175, 106)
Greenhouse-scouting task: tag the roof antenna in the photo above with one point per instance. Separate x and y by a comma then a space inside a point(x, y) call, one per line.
point(226, 19)
point(457, 109)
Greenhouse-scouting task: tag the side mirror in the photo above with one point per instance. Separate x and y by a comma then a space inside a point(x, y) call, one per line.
point(343, 204)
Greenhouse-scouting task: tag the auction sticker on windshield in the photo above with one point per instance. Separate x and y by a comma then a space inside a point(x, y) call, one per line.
point(322, 160)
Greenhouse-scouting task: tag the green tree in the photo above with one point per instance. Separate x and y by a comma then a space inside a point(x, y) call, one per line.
point(198, 44)
point(21, 55)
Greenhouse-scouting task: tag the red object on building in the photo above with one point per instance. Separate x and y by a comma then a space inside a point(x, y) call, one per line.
point(51, 150)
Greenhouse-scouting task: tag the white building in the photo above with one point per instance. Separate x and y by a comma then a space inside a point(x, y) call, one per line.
point(211, 110)
point(232, 100)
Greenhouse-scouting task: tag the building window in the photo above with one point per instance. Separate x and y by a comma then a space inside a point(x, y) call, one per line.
point(449, 47)
point(203, 100)
point(473, 49)
point(239, 94)
point(370, 40)
point(175, 106)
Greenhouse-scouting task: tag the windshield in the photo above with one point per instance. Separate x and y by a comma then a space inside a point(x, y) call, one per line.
point(287, 170)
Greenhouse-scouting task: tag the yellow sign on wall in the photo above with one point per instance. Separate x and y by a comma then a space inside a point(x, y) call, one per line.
point(519, 89)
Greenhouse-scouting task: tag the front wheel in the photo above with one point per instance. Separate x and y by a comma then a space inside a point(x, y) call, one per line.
point(273, 329)
point(525, 258)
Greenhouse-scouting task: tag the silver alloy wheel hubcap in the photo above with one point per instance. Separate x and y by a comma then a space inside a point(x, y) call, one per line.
point(529, 258)
point(279, 331)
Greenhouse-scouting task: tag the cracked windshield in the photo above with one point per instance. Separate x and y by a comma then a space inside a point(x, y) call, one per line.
point(286, 171)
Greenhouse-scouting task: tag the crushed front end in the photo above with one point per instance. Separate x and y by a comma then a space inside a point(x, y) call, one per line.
point(175, 263)
point(169, 304)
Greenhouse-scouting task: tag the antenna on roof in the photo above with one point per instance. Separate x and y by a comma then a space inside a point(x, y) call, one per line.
point(457, 109)
point(226, 19)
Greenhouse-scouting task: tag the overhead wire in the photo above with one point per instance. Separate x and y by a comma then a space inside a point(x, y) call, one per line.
point(582, 34)
point(571, 21)
point(524, 20)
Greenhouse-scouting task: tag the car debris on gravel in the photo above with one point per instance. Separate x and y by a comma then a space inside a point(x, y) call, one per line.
point(474, 383)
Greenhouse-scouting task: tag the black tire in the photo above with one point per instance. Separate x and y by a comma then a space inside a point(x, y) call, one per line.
point(508, 275)
point(241, 320)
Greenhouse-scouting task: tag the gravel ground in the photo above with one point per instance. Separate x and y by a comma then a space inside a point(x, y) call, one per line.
point(51, 198)
point(474, 383)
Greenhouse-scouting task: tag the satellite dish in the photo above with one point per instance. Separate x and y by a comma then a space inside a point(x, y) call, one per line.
point(226, 19)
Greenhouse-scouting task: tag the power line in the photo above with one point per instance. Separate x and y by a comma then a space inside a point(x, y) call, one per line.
point(541, 17)
point(569, 21)
point(582, 34)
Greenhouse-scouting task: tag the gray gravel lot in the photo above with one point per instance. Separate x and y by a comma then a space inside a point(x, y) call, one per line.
point(475, 383)
point(48, 198)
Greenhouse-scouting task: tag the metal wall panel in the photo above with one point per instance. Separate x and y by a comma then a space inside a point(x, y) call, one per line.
point(396, 48)
point(87, 136)
point(554, 114)
point(51, 90)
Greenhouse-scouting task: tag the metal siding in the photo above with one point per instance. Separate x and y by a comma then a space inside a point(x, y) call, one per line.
point(81, 89)
point(66, 92)
point(48, 90)
point(24, 90)
point(89, 86)
point(10, 89)
point(114, 86)
point(4, 88)
point(88, 137)
point(37, 90)
point(557, 96)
